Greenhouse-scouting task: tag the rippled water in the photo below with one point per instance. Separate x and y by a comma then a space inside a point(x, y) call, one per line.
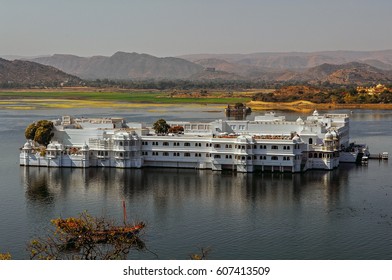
point(342, 214)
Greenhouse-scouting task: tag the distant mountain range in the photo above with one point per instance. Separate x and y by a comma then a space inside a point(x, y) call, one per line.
point(122, 66)
point(301, 60)
point(30, 73)
point(339, 67)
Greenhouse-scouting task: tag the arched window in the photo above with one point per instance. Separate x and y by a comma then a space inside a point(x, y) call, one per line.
point(310, 141)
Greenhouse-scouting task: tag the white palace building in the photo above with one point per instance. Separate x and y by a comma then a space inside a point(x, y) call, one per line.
point(267, 143)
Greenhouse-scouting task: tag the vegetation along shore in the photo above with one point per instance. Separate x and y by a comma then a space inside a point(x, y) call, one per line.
point(299, 97)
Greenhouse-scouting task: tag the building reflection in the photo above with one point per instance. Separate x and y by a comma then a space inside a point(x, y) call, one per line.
point(162, 188)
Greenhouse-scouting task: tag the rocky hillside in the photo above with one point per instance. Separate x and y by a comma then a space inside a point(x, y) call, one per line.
point(346, 73)
point(300, 60)
point(28, 73)
point(349, 73)
point(123, 66)
point(340, 67)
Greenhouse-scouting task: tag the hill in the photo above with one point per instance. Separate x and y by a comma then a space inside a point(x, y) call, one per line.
point(28, 73)
point(348, 73)
point(122, 66)
point(298, 60)
point(336, 67)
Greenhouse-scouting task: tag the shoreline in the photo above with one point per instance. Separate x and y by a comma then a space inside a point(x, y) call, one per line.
point(68, 98)
point(308, 106)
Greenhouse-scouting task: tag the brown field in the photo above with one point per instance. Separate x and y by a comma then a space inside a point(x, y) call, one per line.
point(308, 106)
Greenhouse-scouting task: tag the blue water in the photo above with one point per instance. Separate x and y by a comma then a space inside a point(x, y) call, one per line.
point(342, 214)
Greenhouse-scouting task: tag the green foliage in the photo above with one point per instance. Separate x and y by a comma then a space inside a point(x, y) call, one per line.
point(161, 127)
point(30, 131)
point(334, 96)
point(40, 132)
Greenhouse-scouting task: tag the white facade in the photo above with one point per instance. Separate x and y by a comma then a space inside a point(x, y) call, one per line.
point(268, 143)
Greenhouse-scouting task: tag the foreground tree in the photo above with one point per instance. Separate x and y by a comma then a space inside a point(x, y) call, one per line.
point(161, 127)
point(41, 132)
point(5, 256)
point(87, 238)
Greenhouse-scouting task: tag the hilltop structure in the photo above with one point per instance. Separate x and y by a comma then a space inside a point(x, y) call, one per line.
point(267, 143)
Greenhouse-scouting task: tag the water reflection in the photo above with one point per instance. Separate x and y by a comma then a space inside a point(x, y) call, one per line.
point(177, 187)
point(37, 185)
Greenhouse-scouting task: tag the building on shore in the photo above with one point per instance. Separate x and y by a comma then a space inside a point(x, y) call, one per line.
point(267, 143)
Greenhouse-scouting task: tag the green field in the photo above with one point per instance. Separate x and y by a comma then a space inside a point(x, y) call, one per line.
point(131, 97)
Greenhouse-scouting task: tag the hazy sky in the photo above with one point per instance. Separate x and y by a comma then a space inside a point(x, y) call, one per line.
point(175, 27)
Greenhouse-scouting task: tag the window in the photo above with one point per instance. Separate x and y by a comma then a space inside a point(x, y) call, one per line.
point(274, 147)
point(217, 156)
point(310, 141)
point(176, 154)
point(155, 153)
point(217, 146)
point(274, 158)
point(187, 154)
point(165, 143)
point(228, 156)
point(233, 127)
point(197, 154)
point(166, 154)
point(186, 144)
point(241, 127)
point(121, 143)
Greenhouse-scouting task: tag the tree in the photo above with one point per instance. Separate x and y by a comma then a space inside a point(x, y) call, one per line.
point(161, 127)
point(87, 238)
point(40, 132)
point(30, 131)
point(176, 129)
point(5, 256)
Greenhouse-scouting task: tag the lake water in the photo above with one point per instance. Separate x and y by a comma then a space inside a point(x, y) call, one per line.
point(342, 214)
